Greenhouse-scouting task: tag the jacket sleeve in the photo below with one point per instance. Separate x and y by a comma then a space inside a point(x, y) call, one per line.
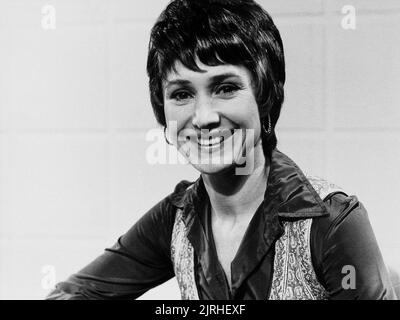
point(139, 261)
point(346, 255)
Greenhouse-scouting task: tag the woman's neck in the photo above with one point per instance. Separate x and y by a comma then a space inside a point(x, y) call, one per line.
point(233, 196)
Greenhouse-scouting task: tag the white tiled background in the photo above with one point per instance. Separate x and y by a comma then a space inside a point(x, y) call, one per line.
point(74, 111)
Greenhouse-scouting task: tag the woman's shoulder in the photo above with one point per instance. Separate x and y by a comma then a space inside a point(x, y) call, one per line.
point(163, 212)
point(347, 217)
point(345, 211)
point(338, 201)
point(155, 227)
point(346, 226)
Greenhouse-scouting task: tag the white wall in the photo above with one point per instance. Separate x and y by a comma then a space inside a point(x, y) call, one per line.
point(74, 111)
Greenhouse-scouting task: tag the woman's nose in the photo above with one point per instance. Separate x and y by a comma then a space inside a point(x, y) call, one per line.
point(204, 114)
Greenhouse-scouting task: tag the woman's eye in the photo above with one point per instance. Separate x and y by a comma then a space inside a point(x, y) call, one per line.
point(180, 95)
point(226, 89)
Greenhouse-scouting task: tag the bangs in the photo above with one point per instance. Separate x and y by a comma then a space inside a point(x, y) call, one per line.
point(213, 41)
point(211, 52)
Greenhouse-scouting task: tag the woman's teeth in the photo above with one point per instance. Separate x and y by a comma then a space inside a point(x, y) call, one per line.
point(210, 142)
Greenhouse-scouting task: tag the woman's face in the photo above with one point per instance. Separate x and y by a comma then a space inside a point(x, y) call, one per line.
point(212, 116)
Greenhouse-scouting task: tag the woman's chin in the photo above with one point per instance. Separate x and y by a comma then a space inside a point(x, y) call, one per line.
point(213, 168)
point(212, 161)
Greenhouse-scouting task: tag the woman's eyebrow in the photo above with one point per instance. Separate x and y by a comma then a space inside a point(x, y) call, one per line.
point(222, 77)
point(177, 82)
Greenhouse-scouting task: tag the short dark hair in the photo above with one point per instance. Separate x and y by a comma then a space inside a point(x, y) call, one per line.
point(237, 32)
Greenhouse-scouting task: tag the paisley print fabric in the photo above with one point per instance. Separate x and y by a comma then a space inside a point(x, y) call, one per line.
point(182, 254)
point(294, 277)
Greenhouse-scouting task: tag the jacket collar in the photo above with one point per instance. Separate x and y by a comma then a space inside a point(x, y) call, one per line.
point(289, 194)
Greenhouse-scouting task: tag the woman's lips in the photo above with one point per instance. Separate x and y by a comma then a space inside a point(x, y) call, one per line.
point(214, 139)
point(210, 142)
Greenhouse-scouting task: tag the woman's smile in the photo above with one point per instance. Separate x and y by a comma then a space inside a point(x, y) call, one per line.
point(210, 142)
point(214, 139)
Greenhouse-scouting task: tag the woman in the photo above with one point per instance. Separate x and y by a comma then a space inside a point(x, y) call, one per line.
point(253, 226)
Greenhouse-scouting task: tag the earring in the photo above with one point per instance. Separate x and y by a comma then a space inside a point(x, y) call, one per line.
point(165, 136)
point(268, 132)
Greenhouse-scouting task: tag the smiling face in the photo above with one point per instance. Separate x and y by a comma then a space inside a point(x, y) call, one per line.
point(215, 115)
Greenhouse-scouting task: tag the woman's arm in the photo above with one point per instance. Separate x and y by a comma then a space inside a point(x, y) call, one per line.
point(139, 261)
point(346, 255)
